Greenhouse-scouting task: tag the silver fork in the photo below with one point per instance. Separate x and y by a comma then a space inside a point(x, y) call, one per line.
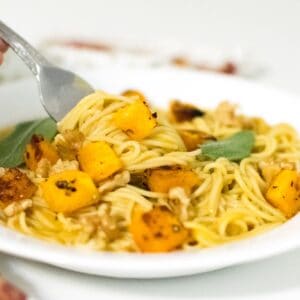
point(60, 90)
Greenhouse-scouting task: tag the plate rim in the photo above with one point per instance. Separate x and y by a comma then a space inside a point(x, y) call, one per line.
point(106, 262)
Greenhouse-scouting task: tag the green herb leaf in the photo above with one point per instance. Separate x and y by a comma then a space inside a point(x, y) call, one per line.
point(13, 146)
point(235, 148)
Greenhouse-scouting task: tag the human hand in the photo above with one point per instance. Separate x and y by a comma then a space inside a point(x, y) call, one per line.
point(3, 48)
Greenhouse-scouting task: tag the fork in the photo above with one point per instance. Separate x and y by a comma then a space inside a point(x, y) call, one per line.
point(60, 90)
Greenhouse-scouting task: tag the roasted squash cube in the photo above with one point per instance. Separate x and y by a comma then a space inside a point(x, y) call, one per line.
point(193, 138)
point(15, 185)
point(99, 160)
point(158, 230)
point(135, 119)
point(161, 180)
point(182, 112)
point(68, 191)
point(283, 192)
point(134, 94)
point(37, 149)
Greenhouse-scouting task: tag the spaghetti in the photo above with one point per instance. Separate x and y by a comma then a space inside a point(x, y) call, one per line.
point(228, 203)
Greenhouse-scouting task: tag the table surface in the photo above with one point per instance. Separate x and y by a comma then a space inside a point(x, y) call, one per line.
point(268, 29)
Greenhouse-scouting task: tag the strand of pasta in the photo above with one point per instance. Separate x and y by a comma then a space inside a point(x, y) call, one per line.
point(228, 205)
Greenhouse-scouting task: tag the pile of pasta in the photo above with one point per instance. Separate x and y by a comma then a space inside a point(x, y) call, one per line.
point(119, 176)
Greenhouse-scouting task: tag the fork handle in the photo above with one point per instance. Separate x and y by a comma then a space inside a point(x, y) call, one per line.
point(30, 56)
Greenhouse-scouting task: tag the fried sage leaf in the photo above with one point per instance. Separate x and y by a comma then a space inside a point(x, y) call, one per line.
point(12, 146)
point(234, 148)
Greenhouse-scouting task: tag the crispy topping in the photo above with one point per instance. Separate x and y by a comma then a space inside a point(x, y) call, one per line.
point(256, 124)
point(139, 180)
point(15, 185)
point(181, 112)
point(68, 143)
point(35, 142)
point(225, 114)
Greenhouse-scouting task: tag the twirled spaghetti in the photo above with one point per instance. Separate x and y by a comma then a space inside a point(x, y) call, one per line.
point(228, 203)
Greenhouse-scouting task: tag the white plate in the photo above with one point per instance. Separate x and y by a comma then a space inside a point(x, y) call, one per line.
point(19, 101)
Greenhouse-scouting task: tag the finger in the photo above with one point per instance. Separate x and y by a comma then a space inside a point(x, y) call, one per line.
point(3, 46)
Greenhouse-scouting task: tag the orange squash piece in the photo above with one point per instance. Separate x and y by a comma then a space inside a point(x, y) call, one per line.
point(99, 160)
point(134, 93)
point(283, 192)
point(37, 149)
point(135, 119)
point(15, 185)
point(158, 230)
point(182, 112)
point(68, 191)
point(193, 138)
point(161, 180)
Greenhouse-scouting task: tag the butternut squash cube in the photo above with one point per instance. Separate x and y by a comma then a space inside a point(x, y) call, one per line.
point(158, 230)
point(15, 185)
point(37, 149)
point(161, 180)
point(182, 112)
point(134, 93)
point(99, 160)
point(135, 119)
point(193, 138)
point(283, 192)
point(68, 191)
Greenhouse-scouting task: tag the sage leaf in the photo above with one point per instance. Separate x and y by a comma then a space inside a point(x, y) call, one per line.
point(13, 146)
point(234, 148)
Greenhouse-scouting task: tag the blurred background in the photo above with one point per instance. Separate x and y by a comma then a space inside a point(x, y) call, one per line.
point(257, 39)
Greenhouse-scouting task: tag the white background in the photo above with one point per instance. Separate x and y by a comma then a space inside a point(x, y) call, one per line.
point(267, 29)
